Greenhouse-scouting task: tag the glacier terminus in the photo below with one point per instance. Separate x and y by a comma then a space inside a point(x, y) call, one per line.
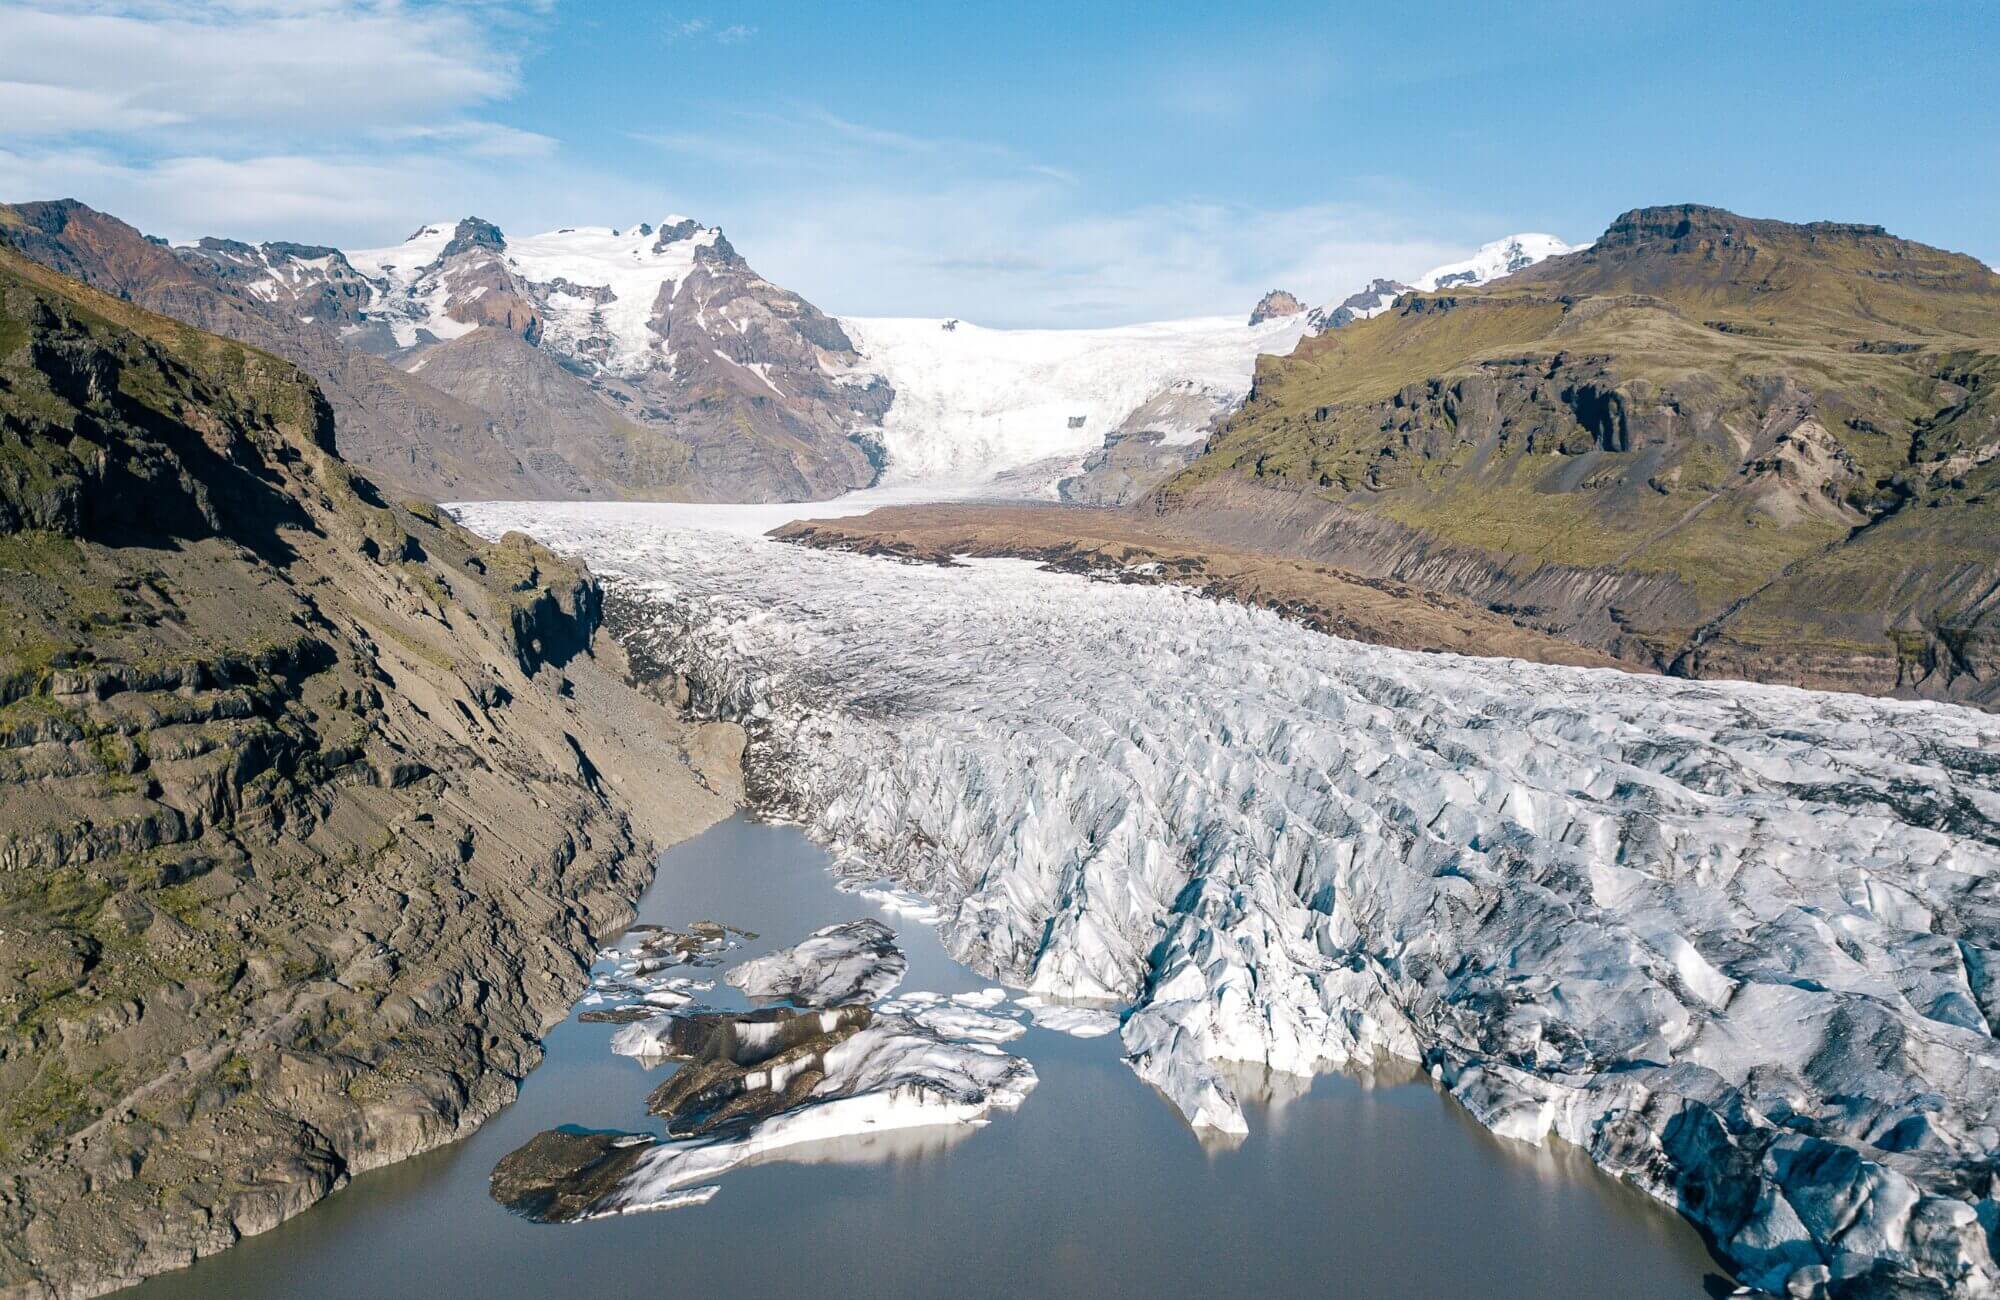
point(1735, 942)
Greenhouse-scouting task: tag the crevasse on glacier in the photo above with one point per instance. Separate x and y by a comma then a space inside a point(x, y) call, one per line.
point(1740, 943)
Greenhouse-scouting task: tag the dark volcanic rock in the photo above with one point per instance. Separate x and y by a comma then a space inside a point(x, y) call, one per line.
point(473, 233)
point(745, 1068)
point(559, 1174)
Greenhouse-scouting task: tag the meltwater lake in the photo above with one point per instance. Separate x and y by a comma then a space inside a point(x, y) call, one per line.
point(1094, 1186)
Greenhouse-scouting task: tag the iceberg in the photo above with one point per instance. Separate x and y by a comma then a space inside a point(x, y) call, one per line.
point(855, 961)
point(1738, 943)
point(853, 1075)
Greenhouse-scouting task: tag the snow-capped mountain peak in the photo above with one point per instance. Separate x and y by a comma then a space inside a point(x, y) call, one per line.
point(1500, 258)
point(1377, 297)
point(599, 293)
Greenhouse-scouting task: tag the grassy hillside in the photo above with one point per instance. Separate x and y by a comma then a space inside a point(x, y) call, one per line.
point(1795, 427)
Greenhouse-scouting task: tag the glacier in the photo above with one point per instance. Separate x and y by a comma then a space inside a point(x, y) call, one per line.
point(974, 403)
point(1738, 943)
point(1024, 406)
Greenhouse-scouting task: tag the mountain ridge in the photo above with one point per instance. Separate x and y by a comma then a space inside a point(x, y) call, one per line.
point(1707, 443)
point(300, 782)
point(706, 421)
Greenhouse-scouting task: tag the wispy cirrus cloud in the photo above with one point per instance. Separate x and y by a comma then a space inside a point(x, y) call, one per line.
point(871, 219)
point(692, 29)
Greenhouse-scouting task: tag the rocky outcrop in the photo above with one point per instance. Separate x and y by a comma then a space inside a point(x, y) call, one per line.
point(314, 805)
point(745, 1068)
point(1377, 297)
point(1126, 468)
point(559, 1175)
point(1273, 305)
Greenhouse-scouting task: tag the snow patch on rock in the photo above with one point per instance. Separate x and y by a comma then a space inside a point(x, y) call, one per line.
point(938, 1067)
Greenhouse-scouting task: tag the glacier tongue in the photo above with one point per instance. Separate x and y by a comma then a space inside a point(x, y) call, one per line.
point(1739, 943)
point(974, 404)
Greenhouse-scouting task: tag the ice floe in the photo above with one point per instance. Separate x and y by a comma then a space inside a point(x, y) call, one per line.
point(1070, 1018)
point(1739, 943)
point(848, 962)
point(762, 1085)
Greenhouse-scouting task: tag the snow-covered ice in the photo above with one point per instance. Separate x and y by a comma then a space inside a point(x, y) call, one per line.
point(1738, 943)
point(1500, 258)
point(898, 1073)
point(896, 900)
point(854, 961)
point(972, 403)
point(1069, 1018)
point(922, 1062)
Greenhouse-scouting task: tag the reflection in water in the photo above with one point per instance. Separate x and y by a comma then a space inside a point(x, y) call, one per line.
point(903, 1146)
point(1377, 1188)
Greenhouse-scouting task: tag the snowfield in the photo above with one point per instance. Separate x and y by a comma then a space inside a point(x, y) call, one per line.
point(615, 282)
point(1739, 943)
point(1500, 258)
point(973, 403)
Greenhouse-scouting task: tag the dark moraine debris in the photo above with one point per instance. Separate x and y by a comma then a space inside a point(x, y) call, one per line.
point(619, 1015)
point(701, 944)
point(559, 1174)
point(744, 1068)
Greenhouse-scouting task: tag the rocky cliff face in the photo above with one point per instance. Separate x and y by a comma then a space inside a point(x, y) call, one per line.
point(1372, 300)
point(672, 336)
point(1273, 305)
point(660, 365)
point(314, 805)
point(1711, 445)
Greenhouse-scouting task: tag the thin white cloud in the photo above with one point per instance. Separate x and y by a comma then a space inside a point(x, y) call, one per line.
point(690, 29)
point(350, 200)
point(1021, 252)
point(309, 69)
point(476, 139)
point(867, 220)
point(185, 196)
point(353, 121)
point(39, 108)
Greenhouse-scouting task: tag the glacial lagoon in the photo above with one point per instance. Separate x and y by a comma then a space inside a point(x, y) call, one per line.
point(1094, 1186)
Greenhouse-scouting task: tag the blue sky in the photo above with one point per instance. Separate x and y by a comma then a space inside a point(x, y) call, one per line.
point(1020, 164)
